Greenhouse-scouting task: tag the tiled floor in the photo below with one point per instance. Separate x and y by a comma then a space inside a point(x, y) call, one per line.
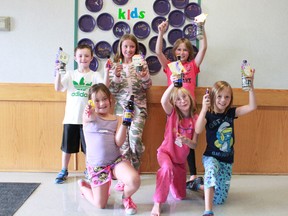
point(249, 195)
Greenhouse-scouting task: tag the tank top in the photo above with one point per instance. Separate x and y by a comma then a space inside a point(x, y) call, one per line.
point(101, 149)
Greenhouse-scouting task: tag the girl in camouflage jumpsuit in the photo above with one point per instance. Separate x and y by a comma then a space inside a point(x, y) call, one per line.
point(125, 81)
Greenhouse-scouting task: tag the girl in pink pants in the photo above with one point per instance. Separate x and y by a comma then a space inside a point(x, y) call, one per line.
point(179, 137)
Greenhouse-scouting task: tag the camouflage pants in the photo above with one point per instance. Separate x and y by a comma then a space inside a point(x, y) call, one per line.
point(133, 147)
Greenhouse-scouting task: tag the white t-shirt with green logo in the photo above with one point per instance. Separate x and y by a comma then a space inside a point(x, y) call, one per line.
point(77, 85)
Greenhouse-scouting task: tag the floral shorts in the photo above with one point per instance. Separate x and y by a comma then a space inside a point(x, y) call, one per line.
point(100, 175)
point(217, 174)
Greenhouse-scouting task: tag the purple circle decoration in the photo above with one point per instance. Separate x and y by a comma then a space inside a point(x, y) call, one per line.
point(152, 43)
point(153, 64)
point(115, 46)
point(120, 2)
point(156, 22)
point(103, 49)
point(86, 23)
point(190, 31)
point(176, 18)
point(192, 10)
point(161, 7)
point(94, 64)
point(180, 4)
point(105, 21)
point(94, 5)
point(141, 30)
point(120, 28)
point(174, 35)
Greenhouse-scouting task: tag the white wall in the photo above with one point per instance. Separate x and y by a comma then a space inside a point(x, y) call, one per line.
point(253, 30)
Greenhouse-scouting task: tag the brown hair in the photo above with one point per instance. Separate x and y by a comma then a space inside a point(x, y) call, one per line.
point(119, 49)
point(187, 44)
point(173, 98)
point(216, 88)
point(99, 87)
point(83, 46)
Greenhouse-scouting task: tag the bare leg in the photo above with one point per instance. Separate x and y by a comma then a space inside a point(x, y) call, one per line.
point(126, 173)
point(156, 209)
point(65, 160)
point(97, 196)
point(209, 195)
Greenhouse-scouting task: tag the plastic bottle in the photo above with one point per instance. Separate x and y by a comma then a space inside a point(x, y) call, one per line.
point(57, 59)
point(199, 31)
point(62, 69)
point(246, 73)
point(178, 83)
point(127, 118)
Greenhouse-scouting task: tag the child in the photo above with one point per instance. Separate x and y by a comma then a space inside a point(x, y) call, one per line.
point(179, 137)
point(104, 134)
point(184, 49)
point(217, 116)
point(76, 83)
point(124, 82)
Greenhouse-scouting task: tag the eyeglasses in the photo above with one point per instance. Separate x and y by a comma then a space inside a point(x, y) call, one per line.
point(182, 130)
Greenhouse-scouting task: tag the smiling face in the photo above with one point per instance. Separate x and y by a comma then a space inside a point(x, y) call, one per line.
point(183, 52)
point(182, 101)
point(102, 102)
point(222, 100)
point(83, 58)
point(128, 48)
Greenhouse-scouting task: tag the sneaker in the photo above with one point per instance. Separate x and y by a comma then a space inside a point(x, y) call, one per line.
point(119, 186)
point(194, 184)
point(130, 206)
point(61, 177)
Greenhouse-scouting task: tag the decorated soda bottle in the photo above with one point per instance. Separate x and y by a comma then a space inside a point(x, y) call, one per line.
point(127, 118)
point(57, 59)
point(179, 82)
point(246, 73)
point(200, 20)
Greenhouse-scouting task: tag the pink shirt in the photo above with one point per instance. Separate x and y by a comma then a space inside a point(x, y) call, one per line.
point(168, 146)
point(189, 78)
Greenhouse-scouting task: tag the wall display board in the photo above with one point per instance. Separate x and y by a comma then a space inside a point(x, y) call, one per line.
point(104, 22)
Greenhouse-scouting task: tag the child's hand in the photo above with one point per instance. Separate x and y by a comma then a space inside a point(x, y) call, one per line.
point(174, 77)
point(145, 69)
point(118, 69)
point(181, 140)
point(90, 107)
point(206, 100)
point(162, 27)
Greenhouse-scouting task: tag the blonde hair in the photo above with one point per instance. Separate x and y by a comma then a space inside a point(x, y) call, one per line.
point(188, 45)
point(119, 54)
point(216, 88)
point(173, 97)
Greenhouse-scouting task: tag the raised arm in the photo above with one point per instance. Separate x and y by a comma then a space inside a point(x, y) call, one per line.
point(252, 105)
point(57, 82)
point(201, 121)
point(165, 100)
point(162, 27)
point(202, 49)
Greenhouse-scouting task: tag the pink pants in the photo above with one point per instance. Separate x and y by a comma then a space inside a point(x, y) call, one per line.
point(170, 176)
